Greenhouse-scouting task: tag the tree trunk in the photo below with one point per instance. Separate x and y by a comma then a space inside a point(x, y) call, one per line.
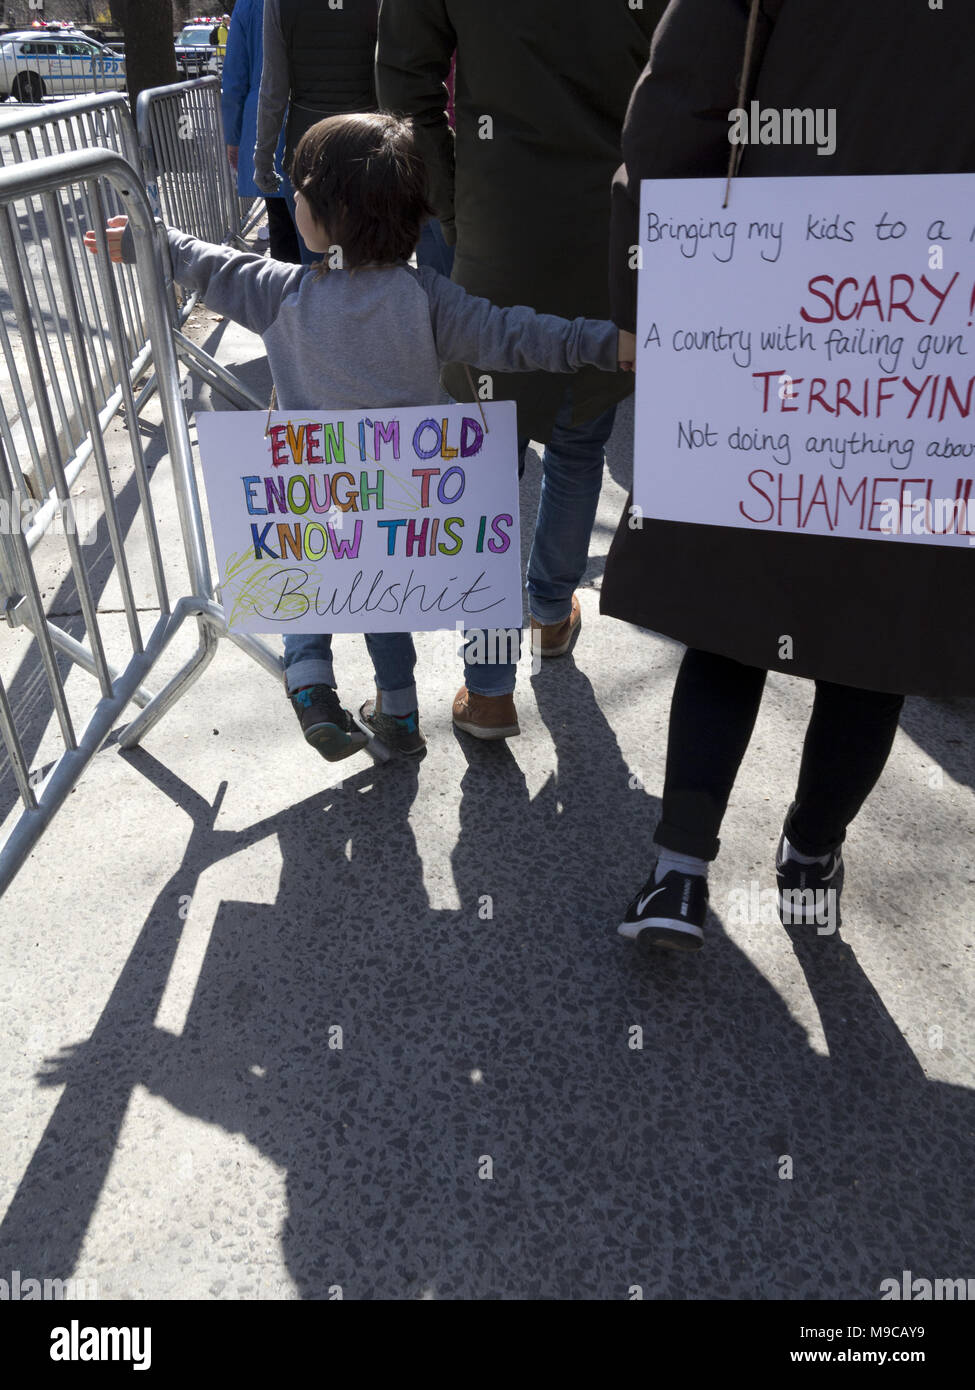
point(150, 59)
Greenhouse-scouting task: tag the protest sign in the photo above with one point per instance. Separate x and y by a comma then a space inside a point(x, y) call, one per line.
point(398, 519)
point(806, 356)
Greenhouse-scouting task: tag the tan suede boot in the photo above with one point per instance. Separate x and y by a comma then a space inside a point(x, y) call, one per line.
point(486, 716)
point(555, 639)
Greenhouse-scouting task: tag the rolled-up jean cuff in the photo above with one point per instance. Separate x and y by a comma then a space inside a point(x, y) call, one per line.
point(399, 702)
point(311, 671)
point(503, 688)
point(686, 842)
point(550, 611)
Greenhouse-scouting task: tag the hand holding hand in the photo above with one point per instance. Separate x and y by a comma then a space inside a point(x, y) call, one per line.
point(114, 228)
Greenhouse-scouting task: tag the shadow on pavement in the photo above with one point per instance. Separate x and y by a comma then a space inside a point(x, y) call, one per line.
point(945, 729)
point(487, 1129)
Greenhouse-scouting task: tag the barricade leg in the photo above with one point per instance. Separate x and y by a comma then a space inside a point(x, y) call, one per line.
point(215, 374)
point(206, 650)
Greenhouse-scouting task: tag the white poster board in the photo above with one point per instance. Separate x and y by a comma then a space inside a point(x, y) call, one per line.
point(400, 519)
point(806, 356)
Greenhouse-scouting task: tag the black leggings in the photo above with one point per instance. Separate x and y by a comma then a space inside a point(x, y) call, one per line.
point(712, 716)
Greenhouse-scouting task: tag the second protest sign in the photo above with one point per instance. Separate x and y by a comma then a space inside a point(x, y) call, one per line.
point(806, 357)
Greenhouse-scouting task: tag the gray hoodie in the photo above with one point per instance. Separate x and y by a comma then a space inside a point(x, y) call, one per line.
point(376, 336)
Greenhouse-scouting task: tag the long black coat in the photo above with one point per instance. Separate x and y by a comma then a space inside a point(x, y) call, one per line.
point(883, 615)
point(540, 95)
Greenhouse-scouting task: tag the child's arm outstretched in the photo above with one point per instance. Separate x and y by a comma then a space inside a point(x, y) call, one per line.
point(470, 329)
point(242, 286)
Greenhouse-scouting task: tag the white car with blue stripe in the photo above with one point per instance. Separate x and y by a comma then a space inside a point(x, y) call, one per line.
point(38, 63)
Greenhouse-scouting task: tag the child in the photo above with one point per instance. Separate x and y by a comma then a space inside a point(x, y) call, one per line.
point(373, 333)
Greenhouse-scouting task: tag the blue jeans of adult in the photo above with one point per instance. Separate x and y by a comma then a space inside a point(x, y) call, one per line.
point(572, 475)
point(308, 661)
point(307, 257)
point(432, 249)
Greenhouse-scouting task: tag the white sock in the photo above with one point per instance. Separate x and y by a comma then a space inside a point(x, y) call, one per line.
point(668, 859)
point(792, 853)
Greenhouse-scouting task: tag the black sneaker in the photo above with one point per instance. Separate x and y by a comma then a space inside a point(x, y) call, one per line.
point(809, 894)
point(400, 732)
point(670, 913)
point(328, 727)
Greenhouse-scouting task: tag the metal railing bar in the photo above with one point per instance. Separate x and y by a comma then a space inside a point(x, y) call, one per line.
point(110, 296)
point(8, 255)
point(64, 263)
point(23, 411)
point(68, 421)
point(15, 752)
point(27, 585)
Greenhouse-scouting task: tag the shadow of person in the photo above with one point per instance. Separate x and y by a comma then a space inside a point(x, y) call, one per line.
point(45, 1223)
point(312, 1021)
point(257, 1054)
point(664, 1122)
point(521, 1106)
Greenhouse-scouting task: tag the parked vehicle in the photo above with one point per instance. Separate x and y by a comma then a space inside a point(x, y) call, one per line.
point(38, 63)
point(195, 54)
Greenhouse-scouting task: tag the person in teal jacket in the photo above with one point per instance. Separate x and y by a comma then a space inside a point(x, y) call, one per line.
point(241, 84)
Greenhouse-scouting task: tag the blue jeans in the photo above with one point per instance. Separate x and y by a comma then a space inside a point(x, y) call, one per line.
point(307, 257)
point(432, 249)
point(308, 661)
point(572, 475)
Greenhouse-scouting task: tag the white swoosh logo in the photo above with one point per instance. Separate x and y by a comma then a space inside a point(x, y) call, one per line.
point(643, 901)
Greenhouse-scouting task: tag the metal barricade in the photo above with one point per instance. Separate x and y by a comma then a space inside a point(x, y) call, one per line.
point(127, 524)
point(188, 176)
point(191, 187)
point(24, 137)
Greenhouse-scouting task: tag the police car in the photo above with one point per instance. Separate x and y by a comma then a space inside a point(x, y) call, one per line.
point(195, 54)
point(38, 63)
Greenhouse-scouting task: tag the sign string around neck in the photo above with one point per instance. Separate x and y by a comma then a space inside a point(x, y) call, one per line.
point(734, 159)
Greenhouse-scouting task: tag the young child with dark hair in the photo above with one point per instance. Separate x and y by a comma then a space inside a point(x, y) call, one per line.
point(373, 332)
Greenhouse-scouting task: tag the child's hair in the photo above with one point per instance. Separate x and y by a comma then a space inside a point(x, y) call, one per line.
point(365, 183)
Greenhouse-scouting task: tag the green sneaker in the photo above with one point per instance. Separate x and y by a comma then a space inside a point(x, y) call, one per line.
point(399, 732)
point(327, 726)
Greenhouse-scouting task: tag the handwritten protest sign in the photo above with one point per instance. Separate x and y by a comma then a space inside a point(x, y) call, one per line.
point(392, 520)
point(806, 356)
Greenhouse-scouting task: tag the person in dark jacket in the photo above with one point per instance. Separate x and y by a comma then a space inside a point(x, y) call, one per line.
point(239, 88)
point(541, 92)
point(318, 62)
point(868, 617)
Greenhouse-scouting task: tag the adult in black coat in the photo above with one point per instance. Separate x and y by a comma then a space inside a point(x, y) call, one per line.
point(541, 92)
point(871, 620)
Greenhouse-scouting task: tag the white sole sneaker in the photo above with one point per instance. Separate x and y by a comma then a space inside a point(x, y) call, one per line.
point(663, 931)
point(680, 905)
point(478, 730)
